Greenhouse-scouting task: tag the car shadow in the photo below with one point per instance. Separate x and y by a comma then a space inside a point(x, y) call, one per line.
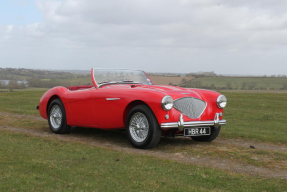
point(118, 137)
point(113, 136)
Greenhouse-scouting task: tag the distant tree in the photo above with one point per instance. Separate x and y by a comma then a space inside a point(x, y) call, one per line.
point(263, 88)
point(244, 86)
point(183, 80)
point(22, 85)
point(248, 85)
point(52, 83)
point(236, 85)
point(2, 85)
point(189, 74)
point(251, 85)
point(196, 84)
point(281, 76)
point(12, 85)
point(228, 85)
point(34, 82)
point(212, 86)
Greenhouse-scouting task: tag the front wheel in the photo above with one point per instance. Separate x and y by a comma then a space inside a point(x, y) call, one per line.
point(57, 117)
point(208, 138)
point(142, 127)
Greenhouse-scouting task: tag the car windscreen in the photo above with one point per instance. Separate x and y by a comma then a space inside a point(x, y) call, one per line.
point(122, 76)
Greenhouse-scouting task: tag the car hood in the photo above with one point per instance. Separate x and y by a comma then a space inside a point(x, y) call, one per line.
point(174, 92)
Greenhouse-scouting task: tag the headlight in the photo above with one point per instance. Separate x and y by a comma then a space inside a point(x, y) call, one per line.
point(221, 101)
point(167, 102)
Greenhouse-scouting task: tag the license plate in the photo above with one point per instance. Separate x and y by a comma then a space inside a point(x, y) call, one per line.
point(197, 131)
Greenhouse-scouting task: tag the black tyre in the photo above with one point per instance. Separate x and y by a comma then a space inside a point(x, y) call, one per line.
point(57, 117)
point(208, 138)
point(142, 127)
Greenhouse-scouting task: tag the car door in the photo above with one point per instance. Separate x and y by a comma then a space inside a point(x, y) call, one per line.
point(109, 105)
point(81, 107)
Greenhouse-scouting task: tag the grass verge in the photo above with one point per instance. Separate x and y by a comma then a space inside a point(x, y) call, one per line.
point(22, 122)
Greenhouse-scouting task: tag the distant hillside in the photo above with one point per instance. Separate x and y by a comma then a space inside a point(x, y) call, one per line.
point(40, 78)
point(167, 80)
point(238, 83)
point(10, 78)
point(25, 74)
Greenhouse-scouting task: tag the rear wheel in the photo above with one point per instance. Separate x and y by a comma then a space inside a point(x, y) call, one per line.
point(142, 127)
point(208, 138)
point(57, 117)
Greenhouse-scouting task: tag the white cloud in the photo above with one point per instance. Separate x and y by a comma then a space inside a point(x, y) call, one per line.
point(155, 35)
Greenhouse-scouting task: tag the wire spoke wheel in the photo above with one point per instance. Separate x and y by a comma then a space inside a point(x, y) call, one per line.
point(139, 127)
point(142, 127)
point(56, 116)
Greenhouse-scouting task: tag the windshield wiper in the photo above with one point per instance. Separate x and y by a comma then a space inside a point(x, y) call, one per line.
point(104, 82)
point(130, 81)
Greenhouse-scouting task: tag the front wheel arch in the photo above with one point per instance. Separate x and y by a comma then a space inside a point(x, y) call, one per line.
point(130, 106)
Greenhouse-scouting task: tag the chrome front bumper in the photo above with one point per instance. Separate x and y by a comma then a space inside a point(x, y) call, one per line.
point(181, 124)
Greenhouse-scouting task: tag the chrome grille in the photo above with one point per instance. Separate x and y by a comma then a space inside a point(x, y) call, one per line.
point(190, 106)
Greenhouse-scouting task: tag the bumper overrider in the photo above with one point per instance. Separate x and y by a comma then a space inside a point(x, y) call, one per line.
point(180, 125)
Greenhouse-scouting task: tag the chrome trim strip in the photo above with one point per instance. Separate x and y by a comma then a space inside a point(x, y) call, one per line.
point(112, 99)
point(79, 89)
point(191, 124)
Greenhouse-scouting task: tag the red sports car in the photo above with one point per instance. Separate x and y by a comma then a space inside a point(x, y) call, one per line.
point(128, 99)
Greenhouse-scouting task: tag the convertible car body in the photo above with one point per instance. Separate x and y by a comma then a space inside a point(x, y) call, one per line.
point(128, 99)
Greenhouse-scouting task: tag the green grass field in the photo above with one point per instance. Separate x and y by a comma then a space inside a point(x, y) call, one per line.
point(237, 83)
point(34, 164)
point(260, 116)
point(21, 102)
point(29, 163)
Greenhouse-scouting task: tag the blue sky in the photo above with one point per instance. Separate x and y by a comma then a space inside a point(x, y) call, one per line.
point(19, 12)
